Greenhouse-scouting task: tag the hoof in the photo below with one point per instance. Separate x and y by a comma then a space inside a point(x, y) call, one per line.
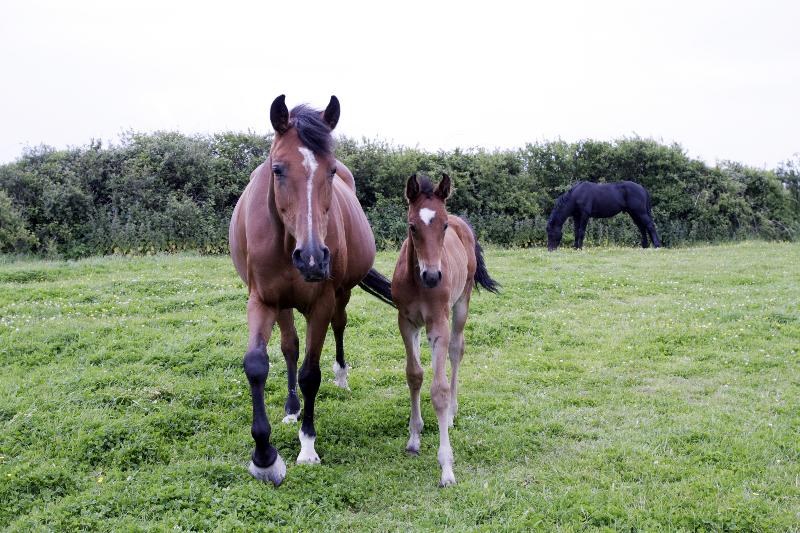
point(341, 376)
point(274, 474)
point(291, 419)
point(447, 480)
point(413, 452)
point(308, 455)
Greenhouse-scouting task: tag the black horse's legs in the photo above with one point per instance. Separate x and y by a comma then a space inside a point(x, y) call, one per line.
point(265, 463)
point(642, 229)
point(581, 221)
point(651, 229)
point(318, 321)
point(338, 323)
point(290, 346)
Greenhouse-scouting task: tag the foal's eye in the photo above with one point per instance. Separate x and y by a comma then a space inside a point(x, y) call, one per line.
point(413, 228)
point(445, 226)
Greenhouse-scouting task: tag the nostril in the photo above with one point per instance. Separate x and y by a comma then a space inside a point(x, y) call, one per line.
point(440, 275)
point(296, 255)
point(326, 254)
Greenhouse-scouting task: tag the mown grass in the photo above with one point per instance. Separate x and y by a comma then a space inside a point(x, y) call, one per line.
point(613, 388)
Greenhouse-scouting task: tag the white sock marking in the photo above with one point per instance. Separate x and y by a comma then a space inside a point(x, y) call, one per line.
point(427, 215)
point(308, 455)
point(310, 163)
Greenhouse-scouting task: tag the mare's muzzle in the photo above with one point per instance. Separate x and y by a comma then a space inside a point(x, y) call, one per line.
point(431, 278)
point(313, 262)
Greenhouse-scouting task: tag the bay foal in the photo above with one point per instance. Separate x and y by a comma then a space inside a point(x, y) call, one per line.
point(439, 264)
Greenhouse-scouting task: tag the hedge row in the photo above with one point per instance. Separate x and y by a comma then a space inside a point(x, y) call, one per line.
point(168, 191)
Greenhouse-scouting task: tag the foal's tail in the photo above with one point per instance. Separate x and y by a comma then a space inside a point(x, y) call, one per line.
point(378, 286)
point(482, 277)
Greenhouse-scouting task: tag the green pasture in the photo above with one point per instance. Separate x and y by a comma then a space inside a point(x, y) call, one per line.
point(608, 389)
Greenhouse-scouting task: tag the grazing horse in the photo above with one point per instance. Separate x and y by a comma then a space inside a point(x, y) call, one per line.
point(601, 200)
point(439, 264)
point(299, 240)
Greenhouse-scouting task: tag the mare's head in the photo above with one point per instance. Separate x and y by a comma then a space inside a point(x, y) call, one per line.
point(427, 223)
point(303, 167)
point(556, 222)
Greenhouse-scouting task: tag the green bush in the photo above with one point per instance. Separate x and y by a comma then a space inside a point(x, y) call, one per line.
point(167, 191)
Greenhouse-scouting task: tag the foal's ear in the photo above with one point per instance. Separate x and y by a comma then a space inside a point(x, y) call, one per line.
point(443, 189)
point(279, 115)
point(331, 114)
point(412, 189)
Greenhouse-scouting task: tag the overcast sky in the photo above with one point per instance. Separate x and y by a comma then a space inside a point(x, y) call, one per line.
point(722, 78)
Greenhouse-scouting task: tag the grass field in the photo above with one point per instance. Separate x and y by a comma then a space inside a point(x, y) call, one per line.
point(614, 388)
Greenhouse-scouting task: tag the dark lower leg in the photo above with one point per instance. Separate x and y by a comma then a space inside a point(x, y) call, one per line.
point(256, 367)
point(290, 346)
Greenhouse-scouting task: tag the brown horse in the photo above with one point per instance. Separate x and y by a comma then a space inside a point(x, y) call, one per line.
point(439, 264)
point(299, 240)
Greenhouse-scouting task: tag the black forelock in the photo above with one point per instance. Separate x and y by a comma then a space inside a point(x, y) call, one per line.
point(314, 133)
point(425, 185)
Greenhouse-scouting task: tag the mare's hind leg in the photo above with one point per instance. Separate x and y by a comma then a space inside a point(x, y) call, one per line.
point(338, 323)
point(290, 346)
point(439, 340)
point(414, 376)
point(265, 463)
point(456, 349)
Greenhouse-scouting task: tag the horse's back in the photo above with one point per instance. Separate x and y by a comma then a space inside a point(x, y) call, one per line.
point(356, 235)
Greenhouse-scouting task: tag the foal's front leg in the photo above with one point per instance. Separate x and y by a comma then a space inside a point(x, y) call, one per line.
point(265, 464)
point(439, 340)
point(414, 376)
point(456, 349)
point(318, 320)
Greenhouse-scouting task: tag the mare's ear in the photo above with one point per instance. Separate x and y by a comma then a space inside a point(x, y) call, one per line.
point(279, 115)
point(412, 189)
point(331, 113)
point(443, 189)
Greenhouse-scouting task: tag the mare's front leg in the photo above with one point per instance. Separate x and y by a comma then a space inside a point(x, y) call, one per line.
point(439, 340)
point(318, 319)
point(414, 376)
point(290, 346)
point(265, 464)
point(338, 323)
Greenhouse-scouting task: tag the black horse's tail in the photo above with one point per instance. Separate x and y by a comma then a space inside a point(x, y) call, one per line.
point(482, 277)
point(378, 286)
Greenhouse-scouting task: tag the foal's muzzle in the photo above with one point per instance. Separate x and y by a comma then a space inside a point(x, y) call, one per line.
point(431, 278)
point(313, 262)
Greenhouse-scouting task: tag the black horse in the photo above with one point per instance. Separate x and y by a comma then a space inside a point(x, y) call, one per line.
point(601, 200)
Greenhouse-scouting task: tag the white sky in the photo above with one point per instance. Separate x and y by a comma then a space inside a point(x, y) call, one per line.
point(722, 78)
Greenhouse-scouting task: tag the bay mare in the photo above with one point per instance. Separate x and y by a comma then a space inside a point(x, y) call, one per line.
point(439, 264)
point(299, 240)
point(601, 200)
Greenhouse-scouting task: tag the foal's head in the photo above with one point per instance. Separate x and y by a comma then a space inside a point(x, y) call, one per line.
point(303, 167)
point(427, 223)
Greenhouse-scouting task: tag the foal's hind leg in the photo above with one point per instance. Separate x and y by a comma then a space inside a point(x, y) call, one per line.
point(290, 346)
point(456, 349)
point(414, 376)
point(338, 323)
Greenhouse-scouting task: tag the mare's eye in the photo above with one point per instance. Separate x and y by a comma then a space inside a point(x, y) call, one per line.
point(277, 170)
point(333, 171)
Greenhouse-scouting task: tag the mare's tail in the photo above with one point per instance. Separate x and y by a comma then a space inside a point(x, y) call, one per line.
point(378, 286)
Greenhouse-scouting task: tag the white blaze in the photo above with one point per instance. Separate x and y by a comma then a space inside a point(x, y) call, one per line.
point(426, 215)
point(310, 163)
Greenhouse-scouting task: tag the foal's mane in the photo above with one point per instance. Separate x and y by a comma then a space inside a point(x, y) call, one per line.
point(314, 133)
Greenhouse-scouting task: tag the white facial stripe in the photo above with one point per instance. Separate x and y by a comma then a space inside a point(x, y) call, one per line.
point(310, 163)
point(427, 215)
